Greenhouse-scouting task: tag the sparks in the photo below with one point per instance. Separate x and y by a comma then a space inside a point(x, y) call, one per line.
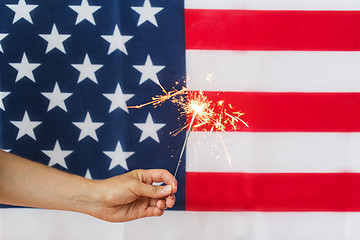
point(160, 99)
point(197, 103)
point(202, 111)
point(215, 114)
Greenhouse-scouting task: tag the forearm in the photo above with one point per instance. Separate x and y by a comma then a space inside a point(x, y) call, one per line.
point(27, 183)
point(121, 198)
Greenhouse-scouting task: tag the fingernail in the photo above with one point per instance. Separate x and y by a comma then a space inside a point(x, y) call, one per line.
point(167, 189)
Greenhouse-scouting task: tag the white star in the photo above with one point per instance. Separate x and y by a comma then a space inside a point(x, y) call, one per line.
point(118, 157)
point(149, 129)
point(117, 41)
point(26, 126)
point(57, 98)
point(25, 68)
point(2, 36)
point(55, 40)
point(85, 12)
point(118, 99)
point(88, 174)
point(147, 13)
point(87, 69)
point(2, 96)
point(22, 10)
point(149, 71)
point(57, 155)
point(88, 128)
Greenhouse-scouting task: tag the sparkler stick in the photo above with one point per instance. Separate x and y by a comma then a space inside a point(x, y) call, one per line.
point(184, 145)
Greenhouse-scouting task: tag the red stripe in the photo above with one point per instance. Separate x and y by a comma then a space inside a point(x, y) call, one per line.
point(290, 112)
point(272, 30)
point(272, 192)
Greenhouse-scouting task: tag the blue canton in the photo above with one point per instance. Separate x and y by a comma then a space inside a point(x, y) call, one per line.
point(69, 70)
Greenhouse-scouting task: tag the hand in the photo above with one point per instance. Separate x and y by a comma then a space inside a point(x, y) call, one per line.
point(131, 195)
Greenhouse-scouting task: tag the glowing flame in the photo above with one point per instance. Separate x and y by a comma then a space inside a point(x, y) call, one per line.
point(213, 114)
point(207, 112)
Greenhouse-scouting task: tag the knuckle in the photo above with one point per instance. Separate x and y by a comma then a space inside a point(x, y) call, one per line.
point(156, 189)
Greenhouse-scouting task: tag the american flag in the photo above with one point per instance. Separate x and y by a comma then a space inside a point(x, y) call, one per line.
point(70, 69)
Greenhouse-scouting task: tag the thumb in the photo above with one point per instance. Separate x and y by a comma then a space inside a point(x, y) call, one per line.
point(146, 190)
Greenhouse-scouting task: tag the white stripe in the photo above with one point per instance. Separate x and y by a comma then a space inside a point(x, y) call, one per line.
point(274, 4)
point(249, 226)
point(273, 71)
point(273, 152)
point(39, 224)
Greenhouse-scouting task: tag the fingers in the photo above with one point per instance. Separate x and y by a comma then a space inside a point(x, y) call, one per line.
point(157, 175)
point(162, 197)
point(152, 211)
point(151, 191)
point(160, 206)
point(170, 200)
point(159, 203)
point(163, 204)
point(156, 207)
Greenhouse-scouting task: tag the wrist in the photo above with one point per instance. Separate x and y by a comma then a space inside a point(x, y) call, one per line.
point(88, 198)
point(94, 200)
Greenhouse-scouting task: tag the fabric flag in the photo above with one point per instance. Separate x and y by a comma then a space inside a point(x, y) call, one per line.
point(69, 70)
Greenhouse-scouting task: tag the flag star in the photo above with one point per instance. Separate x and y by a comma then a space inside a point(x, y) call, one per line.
point(118, 99)
point(57, 155)
point(87, 69)
point(55, 40)
point(149, 129)
point(2, 96)
point(2, 36)
point(57, 98)
point(148, 71)
point(26, 126)
point(88, 175)
point(22, 10)
point(88, 128)
point(147, 13)
point(117, 41)
point(118, 157)
point(25, 69)
point(85, 12)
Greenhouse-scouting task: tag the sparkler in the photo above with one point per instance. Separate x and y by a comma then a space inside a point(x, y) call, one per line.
point(202, 109)
point(184, 145)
